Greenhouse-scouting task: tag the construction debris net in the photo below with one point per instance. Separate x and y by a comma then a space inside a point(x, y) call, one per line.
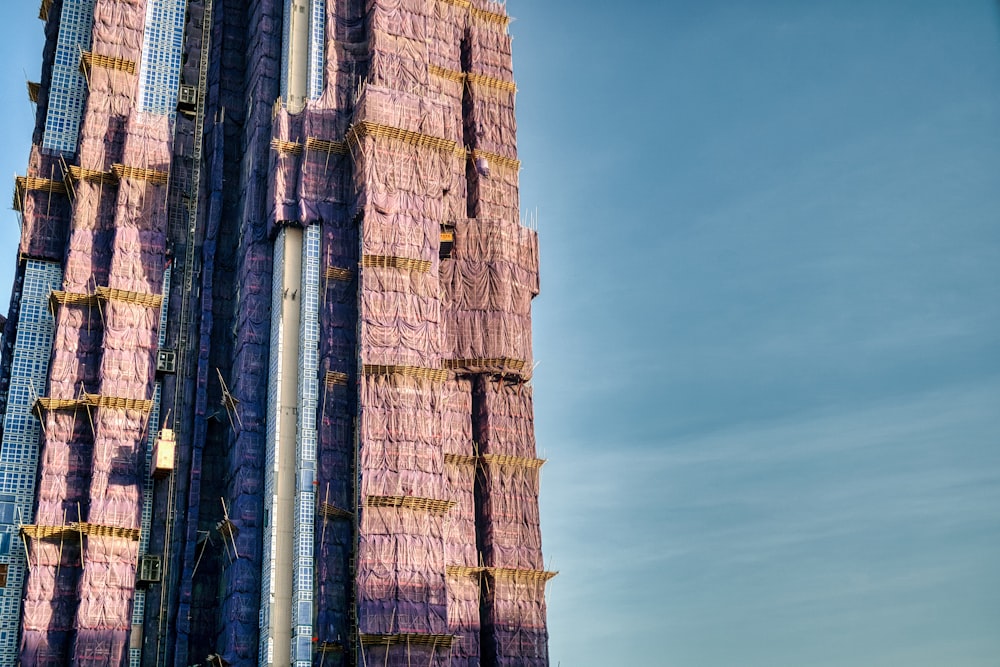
point(172, 169)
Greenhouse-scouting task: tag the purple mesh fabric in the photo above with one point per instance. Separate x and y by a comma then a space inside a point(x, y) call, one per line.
point(90, 468)
point(426, 472)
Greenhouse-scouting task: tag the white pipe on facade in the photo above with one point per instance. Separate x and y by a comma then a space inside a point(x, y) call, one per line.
point(290, 263)
point(297, 52)
point(287, 342)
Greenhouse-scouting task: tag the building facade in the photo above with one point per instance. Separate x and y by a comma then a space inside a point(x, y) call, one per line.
point(265, 376)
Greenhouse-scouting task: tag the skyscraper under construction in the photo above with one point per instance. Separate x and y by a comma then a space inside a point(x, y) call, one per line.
point(265, 374)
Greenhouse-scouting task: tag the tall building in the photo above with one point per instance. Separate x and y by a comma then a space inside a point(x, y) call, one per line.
point(265, 375)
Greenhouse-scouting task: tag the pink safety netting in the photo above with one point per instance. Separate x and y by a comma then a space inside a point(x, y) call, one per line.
point(401, 316)
point(490, 44)
point(285, 168)
point(399, 177)
point(460, 529)
point(487, 288)
point(445, 26)
point(401, 572)
point(401, 655)
point(442, 73)
point(400, 429)
point(76, 349)
point(430, 115)
point(504, 418)
point(464, 592)
point(421, 82)
point(493, 192)
point(323, 187)
point(514, 622)
point(494, 127)
point(455, 410)
point(511, 536)
point(44, 214)
point(90, 468)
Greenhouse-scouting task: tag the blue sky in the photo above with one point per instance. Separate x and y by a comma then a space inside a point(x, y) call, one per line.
point(768, 335)
point(768, 330)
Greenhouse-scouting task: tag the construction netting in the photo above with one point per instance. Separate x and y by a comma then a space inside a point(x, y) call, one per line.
point(44, 204)
point(76, 350)
point(504, 418)
point(461, 554)
point(401, 572)
point(323, 187)
point(489, 40)
point(406, 171)
point(464, 596)
point(490, 114)
point(510, 535)
point(487, 287)
point(334, 530)
point(401, 429)
point(245, 490)
point(514, 630)
point(455, 414)
point(493, 190)
point(131, 312)
point(240, 605)
point(102, 372)
point(104, 615)
point(433, 143)
point(400, 185)
point(426, 480)
point(401, 566)
point(398, 653)
point(514, 625)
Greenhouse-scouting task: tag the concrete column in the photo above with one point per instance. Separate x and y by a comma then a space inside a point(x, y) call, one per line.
point(297, 52)
point(280, 628)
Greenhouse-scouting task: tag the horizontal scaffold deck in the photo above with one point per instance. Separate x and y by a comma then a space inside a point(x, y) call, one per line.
point(438, 641)
point(431, 505)
point(79, 528)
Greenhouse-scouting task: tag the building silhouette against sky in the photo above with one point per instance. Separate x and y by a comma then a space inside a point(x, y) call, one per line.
point(265, 373)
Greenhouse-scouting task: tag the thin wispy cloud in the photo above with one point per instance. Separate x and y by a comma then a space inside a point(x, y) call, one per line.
point(770, 367)
point(822, 521)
